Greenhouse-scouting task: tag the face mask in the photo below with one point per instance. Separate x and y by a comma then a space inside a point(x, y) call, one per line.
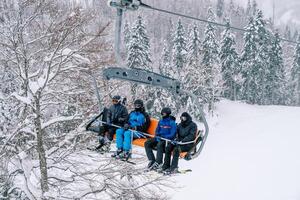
point(183, 118)
point(137, 107)
point(164, 115)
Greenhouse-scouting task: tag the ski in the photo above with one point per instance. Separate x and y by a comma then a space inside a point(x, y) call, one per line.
point(180, 171)
point(127, 161)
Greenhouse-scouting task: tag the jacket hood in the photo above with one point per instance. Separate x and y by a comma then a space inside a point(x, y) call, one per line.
point(188, 117)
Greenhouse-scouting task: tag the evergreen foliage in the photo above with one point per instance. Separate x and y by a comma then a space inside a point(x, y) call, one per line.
point(179, 49)
point(294, 83)
point(276, 80)
point(139, 47)
point(229, 64)
point(210, 62)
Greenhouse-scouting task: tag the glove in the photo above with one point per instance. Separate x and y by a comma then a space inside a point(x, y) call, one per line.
point(175, 142)
point(157, 139)
point(126, 126)
point(121, 119)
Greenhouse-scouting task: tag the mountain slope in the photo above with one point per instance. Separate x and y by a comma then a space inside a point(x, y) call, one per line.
point(252, 153)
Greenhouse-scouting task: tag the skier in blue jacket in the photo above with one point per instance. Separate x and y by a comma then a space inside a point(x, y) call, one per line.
point(166, 128)
point(137, 120)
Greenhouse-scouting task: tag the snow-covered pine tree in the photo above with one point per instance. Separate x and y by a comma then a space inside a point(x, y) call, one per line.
point(220, 8)
point(127, 35)
point(262, 60)
point(139, 47)
point(294, 83)
point(287, 33)
point(179, 49)
point(210, 62)
point(231, 10)
point(193, 81)
point(248, 62)
point(165, 67)
point(295, 36)
point(254, 7)
point(163, 98)
point(139, 54)
point(229, 64)
point(249, 9)
point(276, 80)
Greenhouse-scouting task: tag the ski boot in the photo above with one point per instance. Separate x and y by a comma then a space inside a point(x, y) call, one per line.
point(117, 153)
point(125, 155)
point(171, 171)
point(105, 148)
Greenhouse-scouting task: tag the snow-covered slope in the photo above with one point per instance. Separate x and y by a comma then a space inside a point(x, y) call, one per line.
point(252, 153)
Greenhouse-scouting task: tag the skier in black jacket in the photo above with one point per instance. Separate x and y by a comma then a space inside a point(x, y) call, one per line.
point(186, 132)
point(117, 115)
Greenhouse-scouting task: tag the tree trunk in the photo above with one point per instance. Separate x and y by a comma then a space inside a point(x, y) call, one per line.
point(40, 147)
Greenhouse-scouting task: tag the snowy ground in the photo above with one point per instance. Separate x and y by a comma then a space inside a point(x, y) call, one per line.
point(252, 153)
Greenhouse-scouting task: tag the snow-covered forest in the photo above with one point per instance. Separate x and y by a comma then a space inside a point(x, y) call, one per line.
point(51, 56)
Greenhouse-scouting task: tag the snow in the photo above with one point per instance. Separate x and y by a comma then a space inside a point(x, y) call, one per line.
point(252, 152)
point(26, 100)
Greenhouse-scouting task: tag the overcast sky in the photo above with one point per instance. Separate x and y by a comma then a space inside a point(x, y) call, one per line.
point(286, 11)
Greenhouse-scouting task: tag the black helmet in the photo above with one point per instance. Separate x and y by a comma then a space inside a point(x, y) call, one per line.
point(116, 99)
point(166, 110)
point(138, 102)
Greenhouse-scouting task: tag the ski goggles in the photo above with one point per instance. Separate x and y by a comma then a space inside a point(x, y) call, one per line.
point(183, 118)
point(137, 106)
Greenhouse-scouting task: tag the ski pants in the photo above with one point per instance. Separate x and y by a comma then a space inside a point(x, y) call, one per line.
point(124, 139)
point(177, 149)
point(149, 146)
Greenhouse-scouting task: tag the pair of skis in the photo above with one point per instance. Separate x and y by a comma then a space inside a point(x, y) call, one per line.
point(179, 171)
point(118, 159)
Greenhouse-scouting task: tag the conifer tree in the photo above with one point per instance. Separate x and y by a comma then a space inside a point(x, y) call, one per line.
point(248, 61)
point(220, 8)
point(276, 81)
point(139, 47)
point(254, 7)
point(262, 61)
point(179, 49)
point(193, 79)
point(139, 55)
point(127, 35)
point(294, 83)
point(210, 63)
point(163, 98)
point(229, 64)
point(249, 9)
point(165, 62)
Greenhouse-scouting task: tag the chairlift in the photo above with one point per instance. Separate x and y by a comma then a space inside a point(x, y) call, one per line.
point(152, 79)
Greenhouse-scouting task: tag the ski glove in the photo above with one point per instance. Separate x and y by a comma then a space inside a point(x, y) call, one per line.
point(157, 139)
point(121, 119)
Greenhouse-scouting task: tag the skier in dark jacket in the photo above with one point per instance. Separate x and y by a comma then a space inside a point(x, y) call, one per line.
point(116, 114)
point(186, 132)
point(137, 120)
point(166, 128)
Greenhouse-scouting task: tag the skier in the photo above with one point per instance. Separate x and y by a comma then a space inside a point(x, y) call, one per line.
point(116, 114)
point(186, 132)
point(138, 120)
point(166, 128)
